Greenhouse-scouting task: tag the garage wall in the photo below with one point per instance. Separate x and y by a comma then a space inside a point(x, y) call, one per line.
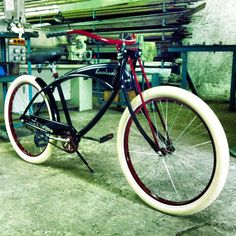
point(211, 73)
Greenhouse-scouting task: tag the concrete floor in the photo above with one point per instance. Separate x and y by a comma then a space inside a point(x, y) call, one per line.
point(61, 197)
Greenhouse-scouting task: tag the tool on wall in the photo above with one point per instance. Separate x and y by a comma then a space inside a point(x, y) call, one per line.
point(15, 26)
point(76, 45)
point(14, 23)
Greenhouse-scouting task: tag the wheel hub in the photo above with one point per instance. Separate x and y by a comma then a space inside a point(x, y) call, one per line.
point(40, 138)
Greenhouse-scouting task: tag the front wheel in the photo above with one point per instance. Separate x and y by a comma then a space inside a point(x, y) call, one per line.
point(191, 172)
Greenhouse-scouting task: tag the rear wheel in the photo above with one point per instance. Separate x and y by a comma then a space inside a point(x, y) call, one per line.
point(192, 172)
point(30, 143)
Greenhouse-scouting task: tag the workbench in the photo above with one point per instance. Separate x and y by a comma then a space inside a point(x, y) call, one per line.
point(184, 50)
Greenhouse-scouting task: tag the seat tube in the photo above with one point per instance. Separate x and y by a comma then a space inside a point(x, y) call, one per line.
point(61, 95)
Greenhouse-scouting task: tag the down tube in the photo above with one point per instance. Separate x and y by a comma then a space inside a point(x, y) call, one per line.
point(99, 115)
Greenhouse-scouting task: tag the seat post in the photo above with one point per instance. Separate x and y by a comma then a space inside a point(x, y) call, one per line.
point(54, 70)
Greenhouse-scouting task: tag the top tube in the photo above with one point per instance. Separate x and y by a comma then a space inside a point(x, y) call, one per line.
point(93, 36)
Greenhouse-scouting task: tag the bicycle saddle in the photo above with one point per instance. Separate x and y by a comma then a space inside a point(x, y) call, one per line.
point(44, 56)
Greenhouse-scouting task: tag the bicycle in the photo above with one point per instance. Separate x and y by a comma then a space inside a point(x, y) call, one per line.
point(171, 146)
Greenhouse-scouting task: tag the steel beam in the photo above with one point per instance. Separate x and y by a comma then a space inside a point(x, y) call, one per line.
point(209, 48)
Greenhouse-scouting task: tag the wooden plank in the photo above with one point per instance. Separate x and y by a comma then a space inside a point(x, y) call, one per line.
point(148, 18)
point(145, 32)
point(97, 5)
point(152, 20)
point(116, 10)
point(167, 15)
point(88, 15)
point(115, 14)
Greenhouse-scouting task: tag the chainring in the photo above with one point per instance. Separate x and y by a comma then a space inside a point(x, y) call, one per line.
point(71, 145)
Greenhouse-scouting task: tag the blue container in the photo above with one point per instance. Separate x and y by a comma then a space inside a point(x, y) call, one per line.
point(2, 71)
point(155, 80)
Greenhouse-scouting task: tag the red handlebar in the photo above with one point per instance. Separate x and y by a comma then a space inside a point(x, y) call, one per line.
point(99, 38)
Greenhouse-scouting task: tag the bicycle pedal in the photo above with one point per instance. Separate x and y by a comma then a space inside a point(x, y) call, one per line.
point(106, 138)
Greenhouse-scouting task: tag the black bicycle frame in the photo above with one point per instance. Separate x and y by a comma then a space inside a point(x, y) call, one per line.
point(114, 75)
point(106, 73)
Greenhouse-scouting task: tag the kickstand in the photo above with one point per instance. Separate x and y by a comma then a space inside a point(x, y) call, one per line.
point(85, 162)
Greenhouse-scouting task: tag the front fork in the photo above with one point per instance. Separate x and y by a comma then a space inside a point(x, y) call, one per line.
point(153, 143)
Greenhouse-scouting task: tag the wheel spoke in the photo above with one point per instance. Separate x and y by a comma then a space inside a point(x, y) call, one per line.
point(176, 117)
point(142, 153)
point(171, 180)
point(200, 144)
point(184, 130)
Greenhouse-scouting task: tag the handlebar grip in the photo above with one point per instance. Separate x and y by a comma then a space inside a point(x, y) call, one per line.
point(55, 34)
